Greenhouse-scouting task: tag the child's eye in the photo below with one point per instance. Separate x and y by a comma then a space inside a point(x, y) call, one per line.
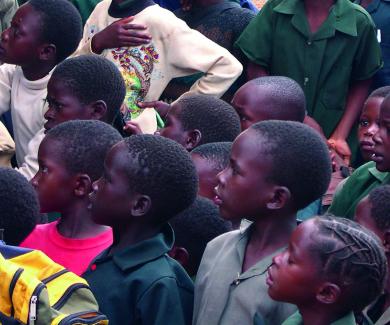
point(363, 123)
point(44, 169)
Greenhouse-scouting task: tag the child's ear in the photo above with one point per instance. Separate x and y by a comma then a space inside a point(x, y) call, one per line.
point(141, 205)
point(280, 198)
point(328, 293)
point(386, 241)
point(193, 139)
point(180, 254)
point(98, 110)
point(83, 185)
point(48, 52)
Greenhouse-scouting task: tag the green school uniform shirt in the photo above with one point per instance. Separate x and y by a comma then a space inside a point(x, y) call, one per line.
point(344, 49)
point(226, 296)
point(142, 284)
point(296, 319)
point(357, 186)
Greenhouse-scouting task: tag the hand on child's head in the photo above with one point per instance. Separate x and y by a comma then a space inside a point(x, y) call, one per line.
point(121, 34)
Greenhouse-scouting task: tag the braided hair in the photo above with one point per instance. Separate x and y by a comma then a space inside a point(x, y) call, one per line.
point(352, 257)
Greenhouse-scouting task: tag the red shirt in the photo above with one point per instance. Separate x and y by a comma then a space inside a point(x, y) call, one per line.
point(74, 254)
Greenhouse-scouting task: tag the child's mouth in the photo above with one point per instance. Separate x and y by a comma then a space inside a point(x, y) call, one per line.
point(217, 199)
point(269, 280)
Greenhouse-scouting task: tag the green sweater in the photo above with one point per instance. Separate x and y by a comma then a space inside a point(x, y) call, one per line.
point(142, 284)
point(358, 185)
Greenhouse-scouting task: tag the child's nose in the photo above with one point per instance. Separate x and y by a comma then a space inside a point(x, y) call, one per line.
point(376, 137)
point(4, 35)
point(221, 179)
point(372, 129)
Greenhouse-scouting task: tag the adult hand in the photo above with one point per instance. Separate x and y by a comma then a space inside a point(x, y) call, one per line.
point(340, 146)
point(132, 128)
point(120, 34)
point(161, 107)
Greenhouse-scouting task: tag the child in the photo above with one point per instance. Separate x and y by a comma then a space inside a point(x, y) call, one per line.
point(194, 228)
point(87, 87)
point(269, 98)
point(276, 168)
point(70, 158)
point(147, 180)
point(198, 119)
point(32, 46)
point(368, 121)
point(19, 207)
point(332, 267)
point(329, 47)
point(373, 213)
point(174, 50)
point(371, 174)
point(210, 159)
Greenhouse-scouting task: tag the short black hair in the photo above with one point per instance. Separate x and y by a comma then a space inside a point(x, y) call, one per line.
point(196, 226)
point(216, 120)
point(286, 97)
point(61, 25)
point(380, 206)
point(352, 256)
point(381, 92)
point(300, 159)
point(91, 78)
point(217, 153)
point(163, 170)
point(19, 206)
point(84, 145)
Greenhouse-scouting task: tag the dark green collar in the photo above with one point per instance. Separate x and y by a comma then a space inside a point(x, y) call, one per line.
point(144, 251)
point(342, 17)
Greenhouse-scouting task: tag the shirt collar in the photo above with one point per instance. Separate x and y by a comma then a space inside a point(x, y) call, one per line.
point(296, 319)
point(342, 16)
point(380, 176)
point(145, 251)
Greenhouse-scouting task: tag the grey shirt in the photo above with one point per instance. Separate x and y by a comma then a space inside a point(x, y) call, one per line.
point(224, 295)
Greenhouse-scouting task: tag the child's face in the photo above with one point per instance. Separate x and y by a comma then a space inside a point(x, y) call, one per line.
point(21, 42)
point(173, 127)
point(243, 188)
point(382, 139)
point(368, 126)
point(249, 105)
point(207, 176)
point(111, 197)
point(364, 218)
point(294, 276)
point(53, 183)
point(63, 105)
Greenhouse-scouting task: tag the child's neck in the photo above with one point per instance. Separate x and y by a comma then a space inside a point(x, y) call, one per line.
point(37, 72)
point(77, 223)
point(318, 315)
point(131, 234)
point(268, 235)
point(317, 11)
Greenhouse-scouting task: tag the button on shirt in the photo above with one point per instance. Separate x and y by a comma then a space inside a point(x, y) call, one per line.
point(224, 295)
point(344, 49)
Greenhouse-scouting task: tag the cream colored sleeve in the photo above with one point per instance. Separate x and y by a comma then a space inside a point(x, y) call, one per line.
point(189, 52)
point(7, 147)
point(6, 73)
point(30, 166)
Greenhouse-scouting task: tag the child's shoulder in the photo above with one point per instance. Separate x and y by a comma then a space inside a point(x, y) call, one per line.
point(223, 241)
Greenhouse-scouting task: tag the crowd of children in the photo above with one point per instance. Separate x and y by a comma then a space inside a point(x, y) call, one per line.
point(206, 166)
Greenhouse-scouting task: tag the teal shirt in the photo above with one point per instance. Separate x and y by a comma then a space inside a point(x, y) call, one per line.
point(357, 186)
point(142, 284)
point(296, 319)
point(343, 50)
